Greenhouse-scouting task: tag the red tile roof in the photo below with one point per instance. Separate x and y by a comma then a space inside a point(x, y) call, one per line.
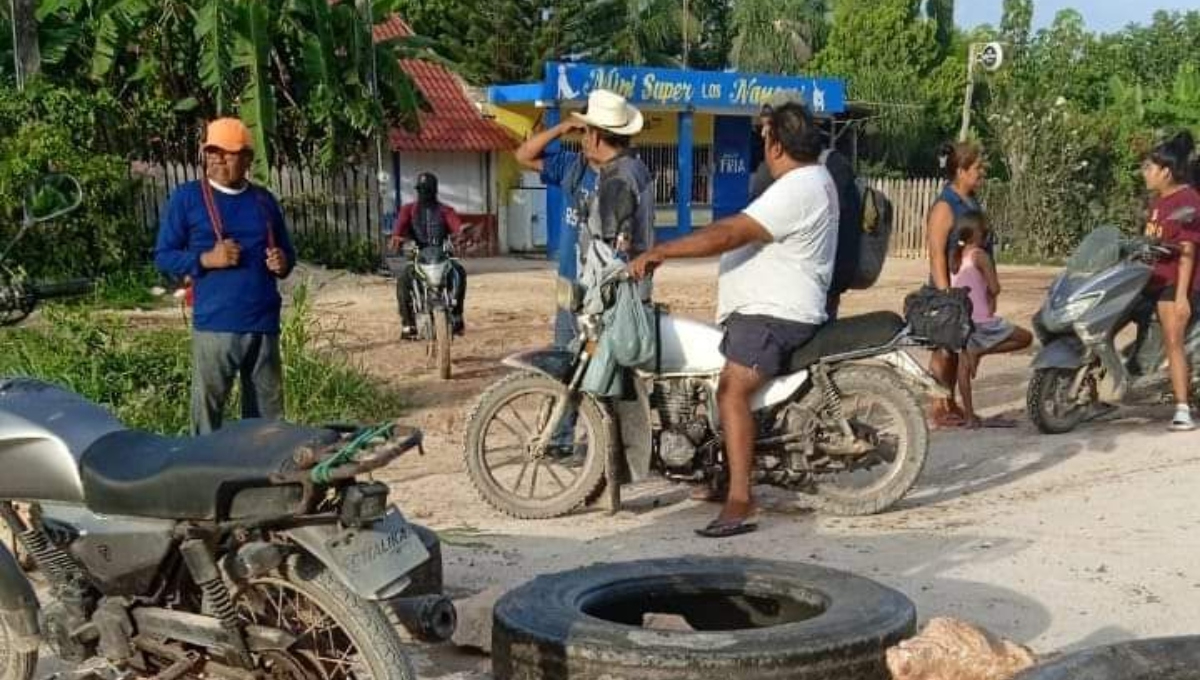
point(454, 124)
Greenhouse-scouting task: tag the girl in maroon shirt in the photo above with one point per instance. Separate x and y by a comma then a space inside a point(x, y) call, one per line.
point(1174, 220)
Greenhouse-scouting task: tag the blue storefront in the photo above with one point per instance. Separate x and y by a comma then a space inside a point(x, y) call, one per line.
point(724, 103)
point(731, 100)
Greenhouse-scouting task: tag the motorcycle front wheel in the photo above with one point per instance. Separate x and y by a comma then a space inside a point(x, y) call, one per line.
point(441, 341)
point(509, 471)
point(1049, 402)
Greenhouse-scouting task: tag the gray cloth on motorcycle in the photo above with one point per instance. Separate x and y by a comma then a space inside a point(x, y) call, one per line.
point(627, 337)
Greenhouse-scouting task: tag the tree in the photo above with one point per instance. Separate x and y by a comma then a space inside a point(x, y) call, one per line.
point(777, 37)
point(299, 72)
point(641, 32)
point(888, 52)
point(28, 61)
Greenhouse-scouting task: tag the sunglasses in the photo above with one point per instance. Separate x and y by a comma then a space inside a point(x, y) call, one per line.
point(214, 152)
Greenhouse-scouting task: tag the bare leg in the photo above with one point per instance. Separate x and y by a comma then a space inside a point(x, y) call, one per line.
point(966, 372)
point(738, 383)
point(1173, 330)
point(944, 366)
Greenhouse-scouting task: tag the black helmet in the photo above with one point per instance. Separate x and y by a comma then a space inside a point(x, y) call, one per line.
point(427, 186)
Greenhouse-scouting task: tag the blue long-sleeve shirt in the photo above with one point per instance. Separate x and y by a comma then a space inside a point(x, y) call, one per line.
point(241, 299)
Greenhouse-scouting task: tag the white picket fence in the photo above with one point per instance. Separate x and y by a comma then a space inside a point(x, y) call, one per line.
point(911, 199)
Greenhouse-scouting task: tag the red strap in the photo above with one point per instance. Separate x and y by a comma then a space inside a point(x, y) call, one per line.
point(214, 216)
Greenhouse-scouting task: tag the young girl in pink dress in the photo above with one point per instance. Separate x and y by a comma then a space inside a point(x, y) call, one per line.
point(974, 270)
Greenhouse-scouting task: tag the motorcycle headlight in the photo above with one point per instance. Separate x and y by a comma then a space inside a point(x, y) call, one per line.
point(1077, 307)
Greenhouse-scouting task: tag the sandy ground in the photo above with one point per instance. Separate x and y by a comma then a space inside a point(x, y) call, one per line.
point(1058, 542)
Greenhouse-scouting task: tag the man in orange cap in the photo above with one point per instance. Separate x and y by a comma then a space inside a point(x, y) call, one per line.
point(230, 238)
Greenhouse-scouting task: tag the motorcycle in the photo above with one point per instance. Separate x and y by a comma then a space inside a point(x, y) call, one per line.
point(844, 427)
point(259, 551)
point(433, 288)
point(1080, 373)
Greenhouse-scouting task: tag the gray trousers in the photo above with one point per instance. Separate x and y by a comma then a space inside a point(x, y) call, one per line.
point(217, 358)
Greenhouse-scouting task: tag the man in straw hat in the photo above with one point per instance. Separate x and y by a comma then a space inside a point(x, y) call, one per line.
point(230, 238)
point(609, 196)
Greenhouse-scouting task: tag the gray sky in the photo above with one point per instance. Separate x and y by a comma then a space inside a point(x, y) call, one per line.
point(1100, 15)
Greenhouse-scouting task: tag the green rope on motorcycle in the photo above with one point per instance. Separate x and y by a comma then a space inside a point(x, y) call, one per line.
point(323, 471)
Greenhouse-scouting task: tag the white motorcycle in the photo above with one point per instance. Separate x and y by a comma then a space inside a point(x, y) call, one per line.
point(844, 427)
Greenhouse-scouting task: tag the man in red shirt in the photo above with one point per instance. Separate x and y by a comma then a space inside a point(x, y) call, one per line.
point(428, 222)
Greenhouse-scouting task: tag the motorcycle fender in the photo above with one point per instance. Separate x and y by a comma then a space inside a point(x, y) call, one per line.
point(18, 605)
point(550, 362)
point(373, 562)
point(915, 374)
point(1065, 352)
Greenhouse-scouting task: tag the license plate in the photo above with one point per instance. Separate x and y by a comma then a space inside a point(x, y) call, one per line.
point(376, 559)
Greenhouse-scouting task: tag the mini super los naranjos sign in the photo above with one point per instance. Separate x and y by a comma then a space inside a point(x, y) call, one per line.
point(675, 89)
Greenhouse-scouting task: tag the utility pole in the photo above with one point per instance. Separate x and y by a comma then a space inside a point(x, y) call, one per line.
point(991, 57)
point(27, 59)
point(686, 46)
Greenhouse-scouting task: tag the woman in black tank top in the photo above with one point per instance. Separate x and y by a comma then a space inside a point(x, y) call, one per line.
point(963, 167)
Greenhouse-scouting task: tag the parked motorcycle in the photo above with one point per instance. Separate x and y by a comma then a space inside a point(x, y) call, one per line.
point(844, 427)
point(433, 289)
point(257, 552)
point(1079, 372)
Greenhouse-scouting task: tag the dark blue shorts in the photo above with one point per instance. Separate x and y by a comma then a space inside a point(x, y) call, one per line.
point(764, 343)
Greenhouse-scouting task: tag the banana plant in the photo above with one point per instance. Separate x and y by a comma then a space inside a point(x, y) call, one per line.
point(299, 72)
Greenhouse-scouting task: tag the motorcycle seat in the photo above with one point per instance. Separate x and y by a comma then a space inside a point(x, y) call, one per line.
point(209, 477)
point(850, 334)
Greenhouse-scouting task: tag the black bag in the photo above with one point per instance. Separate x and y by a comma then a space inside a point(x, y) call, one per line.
point(943, 317)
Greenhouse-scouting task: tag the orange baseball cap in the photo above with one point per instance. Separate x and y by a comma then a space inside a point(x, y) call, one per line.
point(228, 134)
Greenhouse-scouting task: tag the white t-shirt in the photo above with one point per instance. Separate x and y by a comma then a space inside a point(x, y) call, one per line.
point(789, 277)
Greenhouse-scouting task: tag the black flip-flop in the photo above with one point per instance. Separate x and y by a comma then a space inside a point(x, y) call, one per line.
point(719, 529)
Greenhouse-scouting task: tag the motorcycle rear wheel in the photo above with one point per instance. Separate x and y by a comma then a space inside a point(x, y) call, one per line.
point(14, 665)
point(880, 407)
point(339, 635)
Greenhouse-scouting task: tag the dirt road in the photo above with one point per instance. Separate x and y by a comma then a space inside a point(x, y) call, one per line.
point(1059, 542)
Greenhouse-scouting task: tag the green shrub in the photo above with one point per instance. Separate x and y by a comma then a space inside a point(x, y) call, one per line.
point(143, 374)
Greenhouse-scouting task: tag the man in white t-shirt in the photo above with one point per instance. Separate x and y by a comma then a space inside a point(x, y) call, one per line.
point(777, 260)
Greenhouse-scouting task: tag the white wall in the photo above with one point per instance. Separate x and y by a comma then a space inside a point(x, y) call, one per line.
point(462, 178)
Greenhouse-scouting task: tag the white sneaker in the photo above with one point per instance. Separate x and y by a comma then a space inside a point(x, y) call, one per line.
point(1182, 422)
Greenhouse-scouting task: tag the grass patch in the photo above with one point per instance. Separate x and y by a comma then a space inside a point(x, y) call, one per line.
point(144, 374)
point(131, 289)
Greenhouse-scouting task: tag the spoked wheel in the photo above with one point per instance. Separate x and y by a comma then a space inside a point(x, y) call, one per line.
point(893, 437)
point(518, 477)
point(339, 636)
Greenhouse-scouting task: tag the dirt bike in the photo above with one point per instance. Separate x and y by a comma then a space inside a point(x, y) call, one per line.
point(1080, 372)
point(433, 287)
point(844, 427)
point(256, 552)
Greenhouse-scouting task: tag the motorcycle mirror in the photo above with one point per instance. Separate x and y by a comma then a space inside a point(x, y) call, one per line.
point(46, 198)
point(51, 197)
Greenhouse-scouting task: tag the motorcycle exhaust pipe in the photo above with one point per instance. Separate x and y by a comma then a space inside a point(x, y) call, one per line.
point(428, 618)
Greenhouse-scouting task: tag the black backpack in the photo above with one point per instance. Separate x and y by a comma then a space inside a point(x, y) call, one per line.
point(942, 317)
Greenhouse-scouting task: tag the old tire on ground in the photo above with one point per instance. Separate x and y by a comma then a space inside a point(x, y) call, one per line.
point(1176, 658)
point(754, 620)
